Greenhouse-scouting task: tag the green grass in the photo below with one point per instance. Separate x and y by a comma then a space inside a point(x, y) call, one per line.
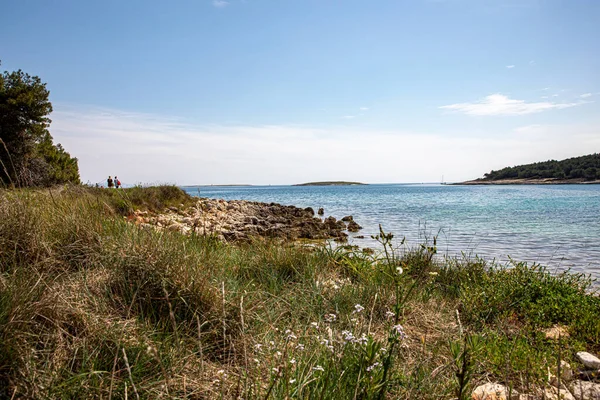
point(93, 306)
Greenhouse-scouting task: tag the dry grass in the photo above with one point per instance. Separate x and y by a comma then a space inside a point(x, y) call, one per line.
point(94, 307)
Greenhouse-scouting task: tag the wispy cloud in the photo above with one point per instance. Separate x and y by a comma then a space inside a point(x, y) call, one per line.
point(532, 62)
point(498, 104)
point(349, 116)
point(585, 95)
point(220, 3)
point(364, 108)
point(159, 148)
point(510, 66)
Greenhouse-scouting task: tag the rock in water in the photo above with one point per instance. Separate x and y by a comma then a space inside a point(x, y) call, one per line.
point(321, 211)
point(348, 218)
point(353, 226)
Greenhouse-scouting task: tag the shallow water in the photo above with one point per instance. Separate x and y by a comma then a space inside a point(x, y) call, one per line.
point(555, 225)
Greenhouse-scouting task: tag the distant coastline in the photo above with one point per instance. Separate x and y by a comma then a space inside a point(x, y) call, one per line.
point(525, 181)
point(330, 183)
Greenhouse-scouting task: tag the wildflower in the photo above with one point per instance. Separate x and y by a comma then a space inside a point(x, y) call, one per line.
point(318, 368)
point(278, 354)
point(389, 314)
point(292, 381)
point(300, 346)
point(330, 318)
point(433, 274)
point(256, 361)
point(372, 367)
point(258, 346)
point(348, 336)
point(358, 308)
point(399, 270)
point(362, 339)
point(271, 343)
point(275, 370)
point(399, 331)
point(291, 336)
point(293, 361)
point(314, 325)
point(221, 372)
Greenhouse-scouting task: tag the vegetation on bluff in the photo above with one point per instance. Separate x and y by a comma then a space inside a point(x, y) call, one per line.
point(28, 156)
point(92, 306)
point(584, 167)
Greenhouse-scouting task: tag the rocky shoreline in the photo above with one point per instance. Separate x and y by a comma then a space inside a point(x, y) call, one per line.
point(545, 181)
point(239, 220)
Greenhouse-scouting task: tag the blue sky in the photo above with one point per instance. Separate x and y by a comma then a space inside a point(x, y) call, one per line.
point(279, 92)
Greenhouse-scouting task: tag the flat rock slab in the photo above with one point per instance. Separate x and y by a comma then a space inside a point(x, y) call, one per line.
point(584, 390)
point(590, 361)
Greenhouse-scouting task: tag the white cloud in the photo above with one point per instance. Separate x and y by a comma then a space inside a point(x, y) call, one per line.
point(220, 3)
point(349, 116)
point(532, 62)
point(585, 95)
point(510, 66)
point(498, 104)
point(149, 148)
point(364, 108)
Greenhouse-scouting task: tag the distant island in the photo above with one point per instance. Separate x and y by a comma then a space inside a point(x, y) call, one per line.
point(330, 183)
point(584, 169)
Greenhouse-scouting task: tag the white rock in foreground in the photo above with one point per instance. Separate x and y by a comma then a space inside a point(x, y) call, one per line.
point(558, 394)
point(584, 390)
point(494, 391)
point(589, 360)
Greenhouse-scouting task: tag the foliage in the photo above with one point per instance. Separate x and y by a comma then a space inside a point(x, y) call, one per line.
point(94, 306)
point(584, 167)
point(27, 155)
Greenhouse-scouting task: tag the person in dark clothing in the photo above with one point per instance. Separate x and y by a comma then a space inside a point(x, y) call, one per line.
point(109, 182)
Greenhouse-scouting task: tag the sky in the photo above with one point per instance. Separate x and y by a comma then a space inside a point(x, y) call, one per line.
point(290, 91)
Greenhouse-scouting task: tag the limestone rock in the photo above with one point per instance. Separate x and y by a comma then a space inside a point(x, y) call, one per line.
point(348, 218)
point(588, 360)
point(321, 211)
point(494, 391)
point(583, 390)
point(553, 393)
point(353, 226)
point(556, 332)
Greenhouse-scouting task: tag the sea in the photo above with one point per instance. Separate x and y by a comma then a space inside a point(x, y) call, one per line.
point(556, 226)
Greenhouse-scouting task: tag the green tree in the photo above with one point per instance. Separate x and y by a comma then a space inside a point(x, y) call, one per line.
point(27, 155)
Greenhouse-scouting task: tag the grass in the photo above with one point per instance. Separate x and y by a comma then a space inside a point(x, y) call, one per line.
point(93, 306)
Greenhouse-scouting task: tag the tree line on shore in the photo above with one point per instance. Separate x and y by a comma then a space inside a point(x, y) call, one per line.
point(584, 167)
point(28, 155)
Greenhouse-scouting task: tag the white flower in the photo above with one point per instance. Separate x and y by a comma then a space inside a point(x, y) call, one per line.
point(358, 308)
point(399, 270)
point(389, 314)
point(278, 354)
point(293, 361)
point(318, 368)
point(258, 346)
point(330, 318)
point(314, 325)
point(348, 336)
point(256, 361)
point(292, 381)
point(372, 367)
point(275, 370)
point(300, 346)
point(362, 339)
point(399, 330)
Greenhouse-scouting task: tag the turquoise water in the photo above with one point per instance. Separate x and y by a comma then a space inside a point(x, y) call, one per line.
point(554, 225)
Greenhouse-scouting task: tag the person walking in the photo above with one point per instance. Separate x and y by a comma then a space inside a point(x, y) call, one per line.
point(117, 182)
point(109, 182)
